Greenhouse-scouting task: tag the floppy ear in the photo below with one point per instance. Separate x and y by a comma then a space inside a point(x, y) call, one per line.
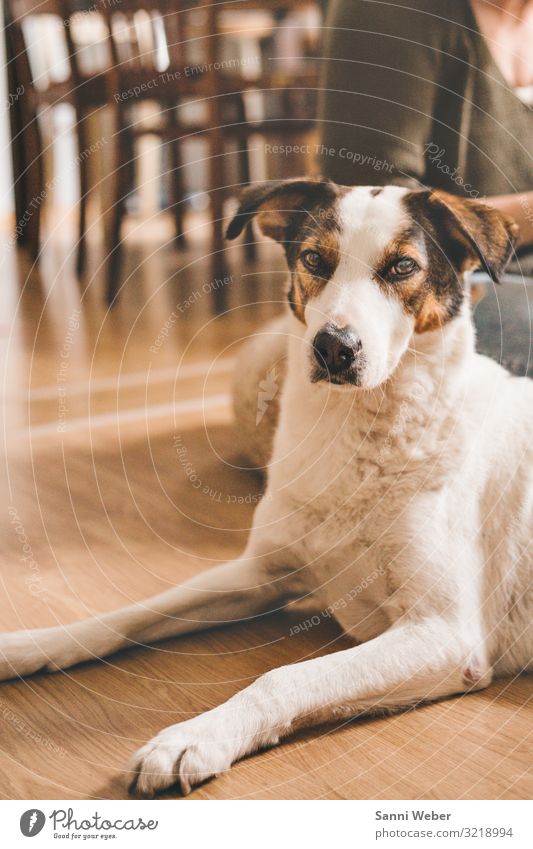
point(277, 204)
point(478, 235)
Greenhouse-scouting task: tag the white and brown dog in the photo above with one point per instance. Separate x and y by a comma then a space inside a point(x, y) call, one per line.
point(400, 488)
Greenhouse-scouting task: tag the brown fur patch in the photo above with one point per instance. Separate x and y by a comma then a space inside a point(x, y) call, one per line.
point(274, 216)
point(477, 292)
point(407, 243)
point(297, 296)
point(305, 283)
point(415, 292)
point(486, 234)
point(280, 203)
point(454, 236)
point(301, 215)
point(432, 315)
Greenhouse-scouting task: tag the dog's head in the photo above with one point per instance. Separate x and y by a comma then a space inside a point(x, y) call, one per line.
point(370, 267)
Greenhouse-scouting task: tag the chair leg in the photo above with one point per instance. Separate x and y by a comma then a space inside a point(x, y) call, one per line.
point(114, 242)
point(250, 246)
point(217, 225)
point(113, 270)
point(218, 252)
point(216, 158)
point(26, 143)
point(19, 156)
point(119, 183)
point(176, 180)
point(34, 188)
point(178, 194)
point(219, 267)
point(83, 176)
point(250, 249)
point(35, 191)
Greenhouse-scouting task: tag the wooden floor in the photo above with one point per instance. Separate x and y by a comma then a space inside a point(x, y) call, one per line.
point(100, 511)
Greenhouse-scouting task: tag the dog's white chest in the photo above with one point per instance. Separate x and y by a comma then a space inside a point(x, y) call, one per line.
point(337, 533)
point(341, 516)
point(345, 568)
point(348, 585)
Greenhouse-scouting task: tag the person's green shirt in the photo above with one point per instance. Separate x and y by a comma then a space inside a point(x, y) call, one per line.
point(412, 95)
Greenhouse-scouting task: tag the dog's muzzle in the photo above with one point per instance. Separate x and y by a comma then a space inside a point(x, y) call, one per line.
point(337, 352)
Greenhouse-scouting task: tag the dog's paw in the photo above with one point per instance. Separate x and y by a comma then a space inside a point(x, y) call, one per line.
point(184, 754)
point(20, 654)
point(48, 649)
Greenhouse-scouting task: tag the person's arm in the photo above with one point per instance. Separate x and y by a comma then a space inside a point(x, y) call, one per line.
point(379, 91)
point(520, 207)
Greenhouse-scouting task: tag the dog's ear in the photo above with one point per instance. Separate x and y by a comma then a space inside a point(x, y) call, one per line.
point(476, 235)
point(278, 203)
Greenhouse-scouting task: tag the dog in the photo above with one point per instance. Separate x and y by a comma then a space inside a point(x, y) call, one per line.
point(400, 484)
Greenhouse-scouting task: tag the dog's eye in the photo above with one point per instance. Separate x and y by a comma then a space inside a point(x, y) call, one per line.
point(404, 267)
point(312, 260)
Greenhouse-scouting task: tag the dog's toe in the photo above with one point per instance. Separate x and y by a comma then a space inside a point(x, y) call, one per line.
point(175, 757)
point(157, 770)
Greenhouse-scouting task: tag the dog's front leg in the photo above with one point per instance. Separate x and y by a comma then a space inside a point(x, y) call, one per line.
point(227, 593)
point(409, 663)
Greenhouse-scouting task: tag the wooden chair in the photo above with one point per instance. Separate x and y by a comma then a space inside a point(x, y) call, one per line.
point(219, 85)
point(144, 45)
point(149, 41)
point(140, 31)
point(85, 92)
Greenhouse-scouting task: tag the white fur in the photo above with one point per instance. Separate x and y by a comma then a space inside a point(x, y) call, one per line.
point(405, 509)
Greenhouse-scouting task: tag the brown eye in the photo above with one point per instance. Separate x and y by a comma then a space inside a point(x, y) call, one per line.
point(312, 260)
point(404, 267)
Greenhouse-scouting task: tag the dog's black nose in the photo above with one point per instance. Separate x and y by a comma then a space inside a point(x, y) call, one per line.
point(336, 348)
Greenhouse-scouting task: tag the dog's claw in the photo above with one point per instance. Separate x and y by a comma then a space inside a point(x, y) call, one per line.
point(132, 786)
point(180, 756)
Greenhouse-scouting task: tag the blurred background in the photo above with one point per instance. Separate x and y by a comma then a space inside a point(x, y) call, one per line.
point(129, 111)
point(129, 129)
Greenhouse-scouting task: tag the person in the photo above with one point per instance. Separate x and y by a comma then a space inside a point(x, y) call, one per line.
point(425, 94)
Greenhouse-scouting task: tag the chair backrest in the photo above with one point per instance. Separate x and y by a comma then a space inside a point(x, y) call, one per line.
point(37, 29)
point(60, 39)
point(145, 34)
point(23, 8)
